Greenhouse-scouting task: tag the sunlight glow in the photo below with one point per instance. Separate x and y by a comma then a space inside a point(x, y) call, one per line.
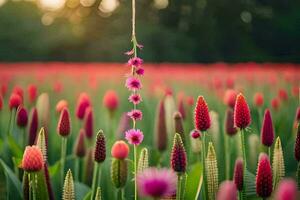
point(52, 4)
point(108, 6)
point(161, 4)
point(2, 2)
point(87, 3)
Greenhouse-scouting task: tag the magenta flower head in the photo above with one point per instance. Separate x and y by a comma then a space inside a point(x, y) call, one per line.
point(133, 83)
point(156, 183)
point(15, 101)
point(136, 62)
point(195, 134)
point(134, 136)
point(178, 155)
point(267, 131)
point(64, 123)
point(100, 149)
point(89, 123)
point(287, 190)
point(22, 117)
point(202, 119)
point(33, 126)
point(297, 145)
point(264, 177)
point(32, 159)
point(229, 123)
point(227, 191)
point(135, 114)
point(238, 174)
point(140, 71)
point(82, 104)
point(80, 149)
point(135, 99)
point(242, 117)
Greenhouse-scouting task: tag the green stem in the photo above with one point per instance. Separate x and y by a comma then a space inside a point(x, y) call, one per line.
point(32, 185)
point(94, 183)
point(77, 169)
point(240, 195)
point(63, 158)
point(135, 172)
point(203, 164)
point(199, 187)
point(11, 122)
point(227, 155)
point(178, 191)
point(24, 137)
point(298, 175)
point(119, 194)
point(269, 153)
point(243, 149)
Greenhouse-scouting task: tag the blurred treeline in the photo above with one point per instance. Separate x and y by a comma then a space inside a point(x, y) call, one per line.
point(184, 31)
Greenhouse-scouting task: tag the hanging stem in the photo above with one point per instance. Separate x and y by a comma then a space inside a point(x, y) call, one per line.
point(63, 158)
point(178, 192)
point(95, 178)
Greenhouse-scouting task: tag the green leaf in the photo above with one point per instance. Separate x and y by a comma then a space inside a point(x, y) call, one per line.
point(88, 195)
point(14, 147)
point(250, 188)
point(54, 169)
point(193, 179)
point(81, 190)
point(12, 180)
point(42, 191)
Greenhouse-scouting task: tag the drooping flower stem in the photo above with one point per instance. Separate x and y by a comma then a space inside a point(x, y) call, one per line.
point(63, 158)
point(135, 171)
point(96, 178)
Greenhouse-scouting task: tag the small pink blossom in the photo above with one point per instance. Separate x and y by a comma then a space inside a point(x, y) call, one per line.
point(134, 136)
point(140, 71)
point(130, 52)
point(135, 99)
point(136, 62)
point(195, 134)
point(135, 114)
point(140, 46)
point(133, 83)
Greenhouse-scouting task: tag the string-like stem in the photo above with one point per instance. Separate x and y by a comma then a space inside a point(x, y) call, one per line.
point(269, 153)
point(199, 187)
point(135, 172)
point(95, 178)
point(178, 191)
point(63, 159)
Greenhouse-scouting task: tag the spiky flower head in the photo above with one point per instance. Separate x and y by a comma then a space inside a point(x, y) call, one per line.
point(242, 117)
point(143, 162)
point(32, 159)
point(33, 126)
point(15, 101)
point(133, 83)
point(135, 98)
point(212, 175)
point(111, 100)
point(258, 99)
point(178, 155)
point(41, 142)
point(120, 150)
point(68, 190)
point(287, 190)
point(156, 183)
point(202, 120)
point(229, 98)
point(178, 122)
point(32, 92)
point(64, 123)
point(119, 172)
point(135, 114)
point(238, 174)
point(100, 149)
point(229, 123)
point(278, 163)
point(98, 194)
point(134, 136)
point(267, 130)
point(227, 191)
point(22, 117)
point(82, 104)
point(80, 148)
point(264, 177)
point(89, 123)
point(161, 136)
point(297, 144)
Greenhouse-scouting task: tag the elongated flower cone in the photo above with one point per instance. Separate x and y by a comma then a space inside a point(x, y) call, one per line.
point(64, 123)
point(229, 98)
point(242, 117)
point(238, 174)
point(68, 190)
point(178, 155)
point(170, 108)
point(89, 123)
point(264, 177)
point(143, 162)
point(201, 115)
point(124, 125)
point(89, 167)
point(80, 148)
point(267, 130)
point(22, 117)
point(227, 191)
point(32, 93)
point(32, 159)
point(297, 144)
point(82, 104)
point(120, 150)
point(211, 169)
point(119, 172)
point(278, 163)
point(14, 101)
point(258, 99)
point(100, 149)
point(42, 144)
point(43, 109)
point(296, 121)
point(111, 100)
point(98, 194)
point(178, 121)
point(181, 108)
point(229, 123)
point(33, 126)
point(161, 137)
point(287, 190)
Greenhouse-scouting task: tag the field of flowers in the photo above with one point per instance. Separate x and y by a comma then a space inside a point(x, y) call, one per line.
point(161, 131)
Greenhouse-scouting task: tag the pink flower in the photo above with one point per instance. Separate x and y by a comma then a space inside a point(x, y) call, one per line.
point(195, 134)
point(134, 136)
point(135, 114)
point(140, 71)
point(133, 83)
point(287, 190)
point(135, 99)
point(156, 183)
point(136, 62)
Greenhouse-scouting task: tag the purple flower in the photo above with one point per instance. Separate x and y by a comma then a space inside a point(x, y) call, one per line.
point(140, 71)
point(135, 114)
point(135, 99)
point(134, 136)
point(136, 62)
point(133, 83)
point(156, 183)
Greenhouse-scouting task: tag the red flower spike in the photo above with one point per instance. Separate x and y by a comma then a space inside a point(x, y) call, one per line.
point(82, 104)
point(22, 117)
point(19, 91)
point(100, 149)
point(264, 177)
point(267, 130)
point(297, 144)
point(89, 123)
point(258, 99)
point(32, 159)
point(178, 155)
point(64, 126)
point(33, 126)
point(80, 149)
point(238, 174)
point(201, 115)
point(287, 190)
point(229, 123)
point(242, 117)
point(32, 93)
point(14, 101)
